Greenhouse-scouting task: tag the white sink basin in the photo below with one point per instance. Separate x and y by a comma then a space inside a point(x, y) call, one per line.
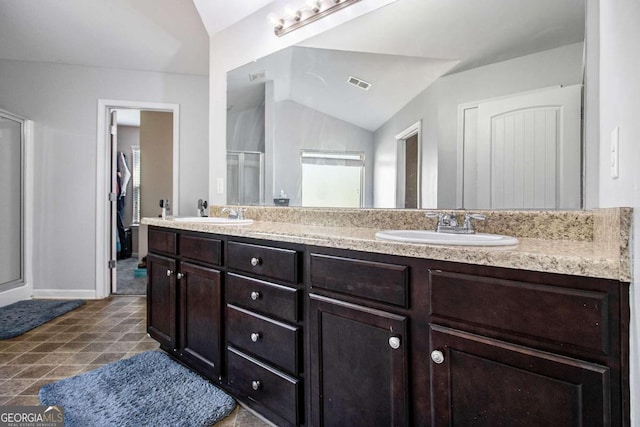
point(213, 220)
point(433, 238)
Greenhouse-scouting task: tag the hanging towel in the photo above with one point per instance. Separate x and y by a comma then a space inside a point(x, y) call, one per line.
point(123, 168)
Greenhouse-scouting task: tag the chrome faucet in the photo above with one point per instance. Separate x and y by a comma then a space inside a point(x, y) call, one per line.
point(235, 213)
point(448, 222)
point(202, 208)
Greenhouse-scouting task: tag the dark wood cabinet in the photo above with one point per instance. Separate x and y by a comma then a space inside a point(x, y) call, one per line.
point(162, 300)
point(359, 365)
point(185, 298)
point(479, 381)
point(515, 348)
point(201, 318)
point(313, 336)
point(264, 329)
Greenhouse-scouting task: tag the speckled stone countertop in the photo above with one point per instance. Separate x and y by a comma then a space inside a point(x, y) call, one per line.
point(583, 243)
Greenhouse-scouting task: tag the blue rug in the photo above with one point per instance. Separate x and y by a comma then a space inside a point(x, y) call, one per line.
point(148, 389)
point(22, 316)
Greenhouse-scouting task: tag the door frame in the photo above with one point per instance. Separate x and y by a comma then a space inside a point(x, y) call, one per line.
point(103, 180)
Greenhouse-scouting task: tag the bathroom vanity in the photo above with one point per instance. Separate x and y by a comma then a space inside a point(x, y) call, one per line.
point(315, 325)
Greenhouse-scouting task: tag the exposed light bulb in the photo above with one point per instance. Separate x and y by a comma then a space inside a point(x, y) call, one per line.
point(314, 5)
point(275, 21)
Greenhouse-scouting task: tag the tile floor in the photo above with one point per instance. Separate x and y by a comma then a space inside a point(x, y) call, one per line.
point(86, 338)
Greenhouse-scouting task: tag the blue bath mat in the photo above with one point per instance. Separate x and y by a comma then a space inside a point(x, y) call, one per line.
point(148, 389)
point(22, 316)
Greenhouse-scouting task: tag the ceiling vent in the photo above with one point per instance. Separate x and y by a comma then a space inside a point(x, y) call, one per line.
point(359, 83)
point(260, 75)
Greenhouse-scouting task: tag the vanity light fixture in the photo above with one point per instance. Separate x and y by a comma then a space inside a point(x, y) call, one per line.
point(312, 11)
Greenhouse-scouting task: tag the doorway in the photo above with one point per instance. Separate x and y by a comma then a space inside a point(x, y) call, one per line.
point(408, 168)
point(121, 239)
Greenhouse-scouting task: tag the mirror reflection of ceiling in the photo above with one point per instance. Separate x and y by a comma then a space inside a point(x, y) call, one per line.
point(400, 50)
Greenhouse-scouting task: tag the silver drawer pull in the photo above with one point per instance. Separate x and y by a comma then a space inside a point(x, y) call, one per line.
point(180, 276)
point(437, 356)
point(169, 273)
point(394, 342)
point(256, 385)
point(255, 336)
point(255, 261)
point(255, 295)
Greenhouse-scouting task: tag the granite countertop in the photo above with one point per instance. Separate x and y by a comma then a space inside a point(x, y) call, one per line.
point(578, 257)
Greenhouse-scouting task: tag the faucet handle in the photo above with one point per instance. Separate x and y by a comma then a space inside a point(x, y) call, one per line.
point(241, 212)
point(233, 214)
point(468, 224)
point(432, 214)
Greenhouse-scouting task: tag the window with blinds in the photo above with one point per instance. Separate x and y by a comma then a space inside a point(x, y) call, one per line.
point(135, 178)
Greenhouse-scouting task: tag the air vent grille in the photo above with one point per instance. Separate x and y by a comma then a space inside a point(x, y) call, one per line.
point(260, 75)
point(357, 82)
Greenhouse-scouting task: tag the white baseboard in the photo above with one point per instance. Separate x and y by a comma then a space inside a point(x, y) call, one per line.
point(64, 293)
point(15, 295)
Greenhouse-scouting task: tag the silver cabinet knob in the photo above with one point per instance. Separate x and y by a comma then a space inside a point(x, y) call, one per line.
point(255, 336)
point(256, 385)
point(394, 342)
point(255, 261)
point(437, 356)
point(255, 295)
point(180, 276)
point(169, 273)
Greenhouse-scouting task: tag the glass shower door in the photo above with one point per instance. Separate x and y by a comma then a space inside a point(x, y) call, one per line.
point(245, 178)
point(11, 208)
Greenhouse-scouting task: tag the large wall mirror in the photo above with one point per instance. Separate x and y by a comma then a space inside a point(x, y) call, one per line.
point(419, 104)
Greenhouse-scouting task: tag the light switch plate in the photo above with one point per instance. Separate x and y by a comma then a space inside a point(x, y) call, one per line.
point(220, 185)
point(615, 155)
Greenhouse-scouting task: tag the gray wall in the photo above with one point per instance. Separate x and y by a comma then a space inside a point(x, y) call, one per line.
point(62, 100)
point(245, 129)
point(561, 66)
point(298, 127)
point(156, 161)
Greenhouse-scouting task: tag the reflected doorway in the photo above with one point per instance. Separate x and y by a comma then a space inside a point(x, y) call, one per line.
point(408, 168)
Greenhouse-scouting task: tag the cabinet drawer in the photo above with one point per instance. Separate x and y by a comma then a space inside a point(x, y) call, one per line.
point(269, 298)
point(275, 390)
point(562, 315)
point(279, 264)
point(162, 241)
point(201, 249)
point(377, 281)
point(266, 338)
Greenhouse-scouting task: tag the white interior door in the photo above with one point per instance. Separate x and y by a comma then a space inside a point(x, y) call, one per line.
point(113, 204)
point(528, 151)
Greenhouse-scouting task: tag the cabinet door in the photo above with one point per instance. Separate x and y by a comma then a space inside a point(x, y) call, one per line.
point(161, 300)
point(201, 318)
point(478, 381)
point(358, 365)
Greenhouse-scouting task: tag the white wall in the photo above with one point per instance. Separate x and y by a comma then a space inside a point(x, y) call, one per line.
point(298, 127)
point(620, 107)
point(62, 100)
point(437, 106)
